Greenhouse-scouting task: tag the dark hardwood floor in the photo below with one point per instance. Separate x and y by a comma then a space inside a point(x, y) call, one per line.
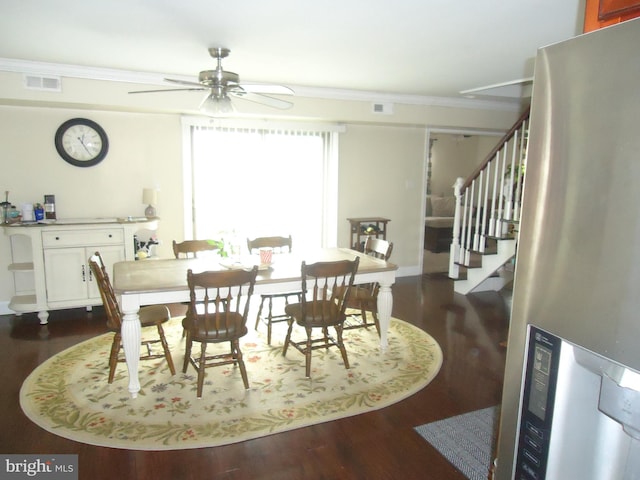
point(376, 445)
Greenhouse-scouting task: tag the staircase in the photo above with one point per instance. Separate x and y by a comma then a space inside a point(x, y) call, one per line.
point(485, 229)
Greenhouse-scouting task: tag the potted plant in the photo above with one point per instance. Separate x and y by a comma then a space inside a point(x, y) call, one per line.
point(220, 244)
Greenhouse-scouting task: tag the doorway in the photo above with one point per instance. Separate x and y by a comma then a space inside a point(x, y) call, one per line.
point(450, 154)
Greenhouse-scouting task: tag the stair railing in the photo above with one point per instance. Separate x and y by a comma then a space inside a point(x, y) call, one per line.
point(488, 201)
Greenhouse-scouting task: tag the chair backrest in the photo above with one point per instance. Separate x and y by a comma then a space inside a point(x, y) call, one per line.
point(378, 248)
point(111, 307)
point(279, 244)
point(219, 300)
point(326, 287)
point(190, 248)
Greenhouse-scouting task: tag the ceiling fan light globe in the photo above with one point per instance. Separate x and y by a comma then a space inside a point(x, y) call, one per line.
point(217, 106)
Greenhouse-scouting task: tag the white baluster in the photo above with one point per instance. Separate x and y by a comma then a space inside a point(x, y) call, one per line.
point(463, 230)
point(501, 200)
point(509, 193)
point(485, 202)
point(522, 157)
point(495, 193)
point(476, 210)
point(469, 215)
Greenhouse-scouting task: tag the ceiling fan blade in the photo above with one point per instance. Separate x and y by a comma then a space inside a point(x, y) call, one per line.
point(222, 83)
point(268, 89)
point(184, 82)
point(262, 99)
point(169, 90)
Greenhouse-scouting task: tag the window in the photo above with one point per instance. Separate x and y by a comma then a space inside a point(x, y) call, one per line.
point(249, 179)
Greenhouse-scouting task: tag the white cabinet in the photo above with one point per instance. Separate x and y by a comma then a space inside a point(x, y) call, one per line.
point(50, 262)
point(68, 276)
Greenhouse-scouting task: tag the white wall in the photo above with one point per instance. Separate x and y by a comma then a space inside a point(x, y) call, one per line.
point(381, 169)
point(456, 155)
point(381, 159)
point(144, 151)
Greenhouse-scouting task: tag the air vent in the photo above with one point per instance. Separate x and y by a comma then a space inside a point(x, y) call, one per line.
point(383, 108)
point(38, 82)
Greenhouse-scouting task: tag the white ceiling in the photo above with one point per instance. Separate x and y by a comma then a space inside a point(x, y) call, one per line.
point(433, 48)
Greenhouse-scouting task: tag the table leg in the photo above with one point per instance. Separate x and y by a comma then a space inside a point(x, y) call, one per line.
point(385, 305)
point(131, 334)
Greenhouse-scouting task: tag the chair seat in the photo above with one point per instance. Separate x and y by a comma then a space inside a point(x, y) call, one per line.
point(362, 297)
point(316, 317)
point(205, 330)
point(154, 315)
point(361, 293)
point(151, 315)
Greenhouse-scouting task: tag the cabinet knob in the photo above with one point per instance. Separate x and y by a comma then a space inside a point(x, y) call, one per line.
point(57, 238)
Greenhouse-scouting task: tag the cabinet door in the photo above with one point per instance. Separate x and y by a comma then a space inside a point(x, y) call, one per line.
point(66, 274)
point(110, 255)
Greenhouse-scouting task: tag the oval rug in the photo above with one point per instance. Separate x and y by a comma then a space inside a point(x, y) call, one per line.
point(68, 394)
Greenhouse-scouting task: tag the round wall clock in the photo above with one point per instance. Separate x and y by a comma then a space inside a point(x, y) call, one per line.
point(81, 142)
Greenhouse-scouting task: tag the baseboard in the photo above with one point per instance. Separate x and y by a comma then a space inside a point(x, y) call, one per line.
point(409, 271)
point(5, 310)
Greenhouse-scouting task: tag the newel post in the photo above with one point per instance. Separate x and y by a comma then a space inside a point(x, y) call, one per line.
point(454, 249)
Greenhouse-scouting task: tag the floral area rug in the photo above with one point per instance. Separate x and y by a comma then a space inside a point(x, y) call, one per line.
point(68, 394)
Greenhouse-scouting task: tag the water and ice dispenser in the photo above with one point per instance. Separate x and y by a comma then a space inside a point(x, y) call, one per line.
point(580, 414)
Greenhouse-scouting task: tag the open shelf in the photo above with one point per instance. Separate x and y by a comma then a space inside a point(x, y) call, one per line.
point(23, 303)
point(21, 267)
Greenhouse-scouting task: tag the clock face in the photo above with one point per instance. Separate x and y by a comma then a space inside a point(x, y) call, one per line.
point(81, 142)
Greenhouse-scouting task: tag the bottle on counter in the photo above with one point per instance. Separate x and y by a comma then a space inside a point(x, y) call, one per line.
point(50, 207)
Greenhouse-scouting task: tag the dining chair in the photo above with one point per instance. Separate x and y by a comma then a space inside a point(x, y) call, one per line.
point(152, 316)
point(191, 248)
point(217, 313)
point(282, 299)
point(325, 287)
point(364, 298)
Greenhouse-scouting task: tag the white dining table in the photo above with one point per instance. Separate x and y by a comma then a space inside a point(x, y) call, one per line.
point(164, 281)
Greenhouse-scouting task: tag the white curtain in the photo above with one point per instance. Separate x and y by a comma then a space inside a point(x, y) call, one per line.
point(250, 179)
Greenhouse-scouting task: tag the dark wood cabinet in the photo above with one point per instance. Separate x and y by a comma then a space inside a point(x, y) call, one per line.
point(602, 13)
point(363, 227)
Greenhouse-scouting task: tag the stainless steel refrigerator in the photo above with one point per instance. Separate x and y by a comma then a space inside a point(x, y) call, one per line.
point(571, 399)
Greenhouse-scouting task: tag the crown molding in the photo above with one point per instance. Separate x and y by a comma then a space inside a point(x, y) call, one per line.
point(424, 100)
point(148, 78)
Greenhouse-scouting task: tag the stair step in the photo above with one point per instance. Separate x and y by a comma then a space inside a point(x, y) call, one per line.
point(487, 251)
point(472, 266)
point(462, 274)
point(483, 268)
point(503, 237)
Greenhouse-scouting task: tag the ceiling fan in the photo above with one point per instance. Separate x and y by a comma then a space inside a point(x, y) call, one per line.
point(222, 84)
